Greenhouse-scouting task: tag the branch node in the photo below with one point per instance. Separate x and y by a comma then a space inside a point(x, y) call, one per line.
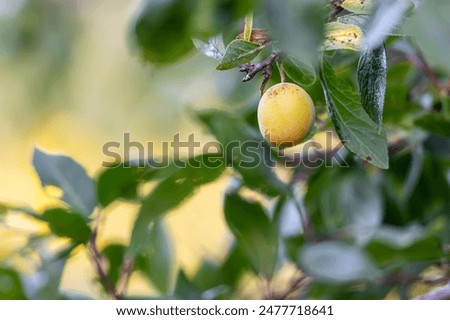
point(253, 69)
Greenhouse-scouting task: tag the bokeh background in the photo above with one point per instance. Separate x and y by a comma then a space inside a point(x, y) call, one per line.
point(70, 82)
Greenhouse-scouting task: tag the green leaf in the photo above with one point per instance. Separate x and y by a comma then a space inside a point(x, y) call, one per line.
point(399, 238)
point(384, 19)
point(161, 30)
point(292, 246)
point(339, 36)
point(416, 192)
point(392, 245)
point(431, 195)
point(245, 150)
point(67, 224)
point(337, 262)
point(207, 275)
point(156, 260)
point(213, 48)
point(297, 26)
point(170, 193)
point(361, 20)
point(301, 73)
point(214, 16)
point(356, 130)
point(114, 254)
point(10, 285)
point(397, 93)
point(255, 233)
point(185, 289)
point(438, 146)
point(118, 183)
point(356, 19)
point(339, 198)
point(435, 123)
point(239, 52)
point(358, 6)
point(208, 279)
point(234, 266)
point(63, 172)
point(372, 74)
point(429, 26)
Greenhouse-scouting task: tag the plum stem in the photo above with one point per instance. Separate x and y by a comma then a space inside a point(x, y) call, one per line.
point(248, 27)
point(281, 71)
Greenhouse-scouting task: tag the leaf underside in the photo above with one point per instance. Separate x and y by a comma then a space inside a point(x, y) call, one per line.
point(356, 130)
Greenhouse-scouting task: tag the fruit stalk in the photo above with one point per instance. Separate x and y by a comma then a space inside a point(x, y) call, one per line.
point(248, 26)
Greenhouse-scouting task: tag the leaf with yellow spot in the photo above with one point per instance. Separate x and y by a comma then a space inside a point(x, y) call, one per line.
point(340, 36)
point(358, 6)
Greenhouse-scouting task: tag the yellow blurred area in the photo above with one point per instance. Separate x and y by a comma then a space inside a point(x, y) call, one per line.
point(103, 92)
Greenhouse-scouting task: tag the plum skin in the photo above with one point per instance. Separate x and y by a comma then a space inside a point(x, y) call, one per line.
point(286, 114)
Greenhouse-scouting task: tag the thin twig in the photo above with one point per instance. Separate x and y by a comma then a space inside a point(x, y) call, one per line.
point(265, 285)
point(100, 265)
point(398, 146)
point(403, 279)
point(423, 66)
point(281, 71)
point(421, 63)
point(126, 271)
point(297, 282)
point(309, 160)
point(253, 69)
point(314, 160)
point(433, 282)
point(307, 226)
point(336, 9)
point(267, 73)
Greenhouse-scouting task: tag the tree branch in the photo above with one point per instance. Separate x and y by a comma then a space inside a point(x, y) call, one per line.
point(253, 69)
point(126, 271)
point(313, 160)
point(336, 9)
point(298, 282)
point(421, 63)
point(307, 226)
point(100, 265)
point(398, 146)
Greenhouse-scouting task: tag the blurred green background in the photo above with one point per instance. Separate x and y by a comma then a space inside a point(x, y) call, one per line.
point(70, 83)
